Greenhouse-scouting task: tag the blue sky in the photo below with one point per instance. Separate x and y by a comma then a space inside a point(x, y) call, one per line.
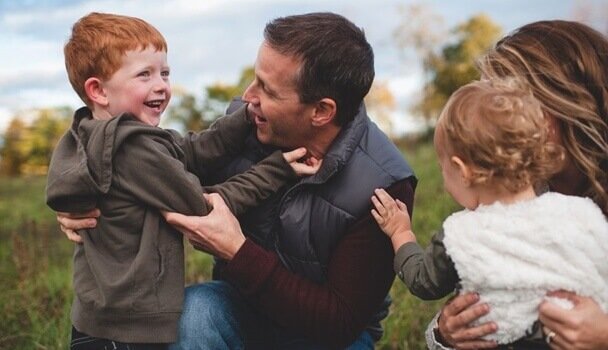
point(212, 40)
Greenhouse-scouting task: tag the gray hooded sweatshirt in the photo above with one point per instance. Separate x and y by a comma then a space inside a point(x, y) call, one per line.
point(129, 271)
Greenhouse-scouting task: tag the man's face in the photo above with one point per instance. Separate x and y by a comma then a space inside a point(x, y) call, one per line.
point(275, 106)
point(140, 86)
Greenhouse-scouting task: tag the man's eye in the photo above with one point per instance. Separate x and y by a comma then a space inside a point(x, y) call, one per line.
point(144, 74)
point(164, 73)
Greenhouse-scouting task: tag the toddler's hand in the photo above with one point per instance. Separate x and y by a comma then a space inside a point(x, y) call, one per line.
point(308, 166)
point(391, 215)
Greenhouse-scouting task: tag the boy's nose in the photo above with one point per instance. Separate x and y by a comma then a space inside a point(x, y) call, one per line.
point(161, 84)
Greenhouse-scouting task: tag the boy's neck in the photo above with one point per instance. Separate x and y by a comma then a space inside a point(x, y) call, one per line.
point(99, 112)
point(489, 196)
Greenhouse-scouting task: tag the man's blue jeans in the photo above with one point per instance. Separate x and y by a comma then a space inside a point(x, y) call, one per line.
point(216, 316)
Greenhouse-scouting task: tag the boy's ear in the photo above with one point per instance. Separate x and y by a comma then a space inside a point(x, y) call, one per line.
point(325, 112)
point(463, 169)
point(95, 92)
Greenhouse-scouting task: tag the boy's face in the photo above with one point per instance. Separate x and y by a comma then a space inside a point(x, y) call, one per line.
point(140, 86)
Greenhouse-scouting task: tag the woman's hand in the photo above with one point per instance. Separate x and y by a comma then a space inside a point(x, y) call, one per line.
point(454, 320)
point(70, 222)
point(583, 327)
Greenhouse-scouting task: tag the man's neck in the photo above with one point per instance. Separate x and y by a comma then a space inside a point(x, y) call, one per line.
point(320, 144)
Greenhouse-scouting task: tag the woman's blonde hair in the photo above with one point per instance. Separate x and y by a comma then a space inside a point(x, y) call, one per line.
point(497, 128)
point(566, 66)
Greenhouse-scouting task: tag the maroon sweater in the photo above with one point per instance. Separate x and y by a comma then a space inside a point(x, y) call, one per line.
point(360, 274)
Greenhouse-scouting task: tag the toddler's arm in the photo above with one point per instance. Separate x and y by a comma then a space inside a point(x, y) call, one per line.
point(393, 218)
point(429, 274)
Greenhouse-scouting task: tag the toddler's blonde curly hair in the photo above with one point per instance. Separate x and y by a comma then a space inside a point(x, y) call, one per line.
point(497, 128)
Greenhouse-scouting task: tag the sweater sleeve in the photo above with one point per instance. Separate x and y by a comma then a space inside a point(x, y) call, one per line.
point(337, 311)
point(212, 148)
point(148, 168)
point(248, 189)
point(429, 274)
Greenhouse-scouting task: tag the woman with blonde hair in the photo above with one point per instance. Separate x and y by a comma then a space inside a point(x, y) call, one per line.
point(565, 65)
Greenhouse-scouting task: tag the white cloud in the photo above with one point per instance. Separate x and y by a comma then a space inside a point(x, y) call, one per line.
point(209, 41)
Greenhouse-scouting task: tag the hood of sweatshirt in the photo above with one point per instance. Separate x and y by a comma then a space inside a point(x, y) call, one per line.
point(81, 166)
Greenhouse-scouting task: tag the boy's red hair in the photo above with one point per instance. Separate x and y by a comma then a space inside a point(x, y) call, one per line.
point(98, 43)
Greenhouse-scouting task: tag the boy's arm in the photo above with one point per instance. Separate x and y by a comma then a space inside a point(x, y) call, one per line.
point(246, 190)
point(147, 167)
point(429, 274)
point(211, 148)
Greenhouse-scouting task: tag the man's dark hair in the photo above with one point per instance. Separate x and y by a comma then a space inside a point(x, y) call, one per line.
point(337, 60)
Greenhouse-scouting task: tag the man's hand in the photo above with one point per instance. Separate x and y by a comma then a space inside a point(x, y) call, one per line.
point(218, 233)
point(454, 322)
point(70, 222)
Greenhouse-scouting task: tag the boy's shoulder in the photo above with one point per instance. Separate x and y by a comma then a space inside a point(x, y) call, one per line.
point(103, 140)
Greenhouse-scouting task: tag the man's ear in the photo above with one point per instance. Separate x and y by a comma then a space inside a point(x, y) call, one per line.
point(463, 169)
point(325, 112)
point(95, 91)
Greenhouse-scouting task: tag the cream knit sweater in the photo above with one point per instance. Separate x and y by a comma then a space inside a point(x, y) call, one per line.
point(512, 255)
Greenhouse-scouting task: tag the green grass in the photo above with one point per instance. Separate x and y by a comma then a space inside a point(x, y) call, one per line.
point(409, 316)
point(35, 267)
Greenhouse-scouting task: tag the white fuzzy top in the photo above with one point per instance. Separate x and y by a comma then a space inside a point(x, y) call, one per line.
point(512, 255)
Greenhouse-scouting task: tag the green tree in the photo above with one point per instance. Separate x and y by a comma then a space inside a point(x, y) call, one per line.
point(187, 112)
point(41, 138)
point(219, 95)
point(11, 157)
point(28, 147)
point(195, 114)
point(448, 66)
point(380, 103)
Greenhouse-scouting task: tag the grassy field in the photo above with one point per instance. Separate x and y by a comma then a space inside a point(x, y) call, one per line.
point(35, 267)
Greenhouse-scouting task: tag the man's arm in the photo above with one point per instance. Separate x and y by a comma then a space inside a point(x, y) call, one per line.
point(336, 312)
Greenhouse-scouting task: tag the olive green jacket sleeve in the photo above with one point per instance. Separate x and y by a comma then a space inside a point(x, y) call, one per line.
point(429, 274)
point(212, 148)
point(246, 190)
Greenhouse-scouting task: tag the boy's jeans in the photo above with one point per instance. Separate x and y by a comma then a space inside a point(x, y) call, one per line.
point(216, 316)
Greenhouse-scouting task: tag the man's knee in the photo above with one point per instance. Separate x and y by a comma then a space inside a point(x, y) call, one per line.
point(210, 318)
point(207, 303)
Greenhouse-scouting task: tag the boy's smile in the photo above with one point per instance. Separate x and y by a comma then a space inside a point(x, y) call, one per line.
point(140, 86)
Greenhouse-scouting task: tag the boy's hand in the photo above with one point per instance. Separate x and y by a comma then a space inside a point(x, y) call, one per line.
point(308, 166)
point(391, 215)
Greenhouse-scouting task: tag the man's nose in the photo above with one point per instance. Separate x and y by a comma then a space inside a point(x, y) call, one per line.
point(250, 96)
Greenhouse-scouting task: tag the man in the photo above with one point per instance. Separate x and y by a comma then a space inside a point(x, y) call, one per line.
point(309, 268)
